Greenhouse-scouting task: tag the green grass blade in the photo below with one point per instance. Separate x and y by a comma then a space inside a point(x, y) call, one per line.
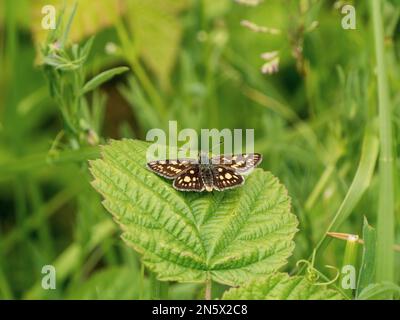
point(385, 226)
point(69, 24)
point(361, 181)
point(367, 269)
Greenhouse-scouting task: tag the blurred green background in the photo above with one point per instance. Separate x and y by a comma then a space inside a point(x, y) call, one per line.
point(190, 61)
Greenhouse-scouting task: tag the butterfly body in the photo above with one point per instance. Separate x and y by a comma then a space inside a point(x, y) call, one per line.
point(206, 174)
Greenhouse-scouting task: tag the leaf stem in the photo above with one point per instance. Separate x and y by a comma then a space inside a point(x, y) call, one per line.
point(208, 289)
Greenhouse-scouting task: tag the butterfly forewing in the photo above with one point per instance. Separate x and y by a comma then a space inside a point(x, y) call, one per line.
point(240, 163)
point(190, 180)
point(225, 178)
point(170, 169)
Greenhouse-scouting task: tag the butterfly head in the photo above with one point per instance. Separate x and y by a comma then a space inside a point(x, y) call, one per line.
point(204, 158)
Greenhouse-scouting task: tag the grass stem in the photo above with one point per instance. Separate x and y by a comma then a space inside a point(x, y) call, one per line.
point(385, 220)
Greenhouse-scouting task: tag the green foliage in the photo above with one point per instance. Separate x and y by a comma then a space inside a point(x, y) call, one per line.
point(367, 269)
point(101, 78)
point(110, 284)
point(359, 184)
point(65, 67)
point(156, 34)
point(229, 237)
point(316, 123)
point(387, 168)
point(282, 287)
point(380, 291)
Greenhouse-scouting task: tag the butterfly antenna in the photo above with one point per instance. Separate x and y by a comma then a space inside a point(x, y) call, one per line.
point(218, 145)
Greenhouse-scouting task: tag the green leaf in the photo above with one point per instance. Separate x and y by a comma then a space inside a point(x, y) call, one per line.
point(367, 269)
point(380, 291)
point(229, 237)
point(102, 77)
point(86, 48)
point(282, 287)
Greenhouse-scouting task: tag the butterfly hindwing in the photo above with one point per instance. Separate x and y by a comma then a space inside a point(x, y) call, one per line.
point(240, 163)
point(170, 169)
point(190, 180)
point(226, 178)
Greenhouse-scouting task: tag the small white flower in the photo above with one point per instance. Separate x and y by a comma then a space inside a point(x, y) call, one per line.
point(111, 48)
point(271, 66)
point(269, 55)
point(256, 28)
point(251, 3)
point(54, 47)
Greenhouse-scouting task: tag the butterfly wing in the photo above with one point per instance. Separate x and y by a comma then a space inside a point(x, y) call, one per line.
point(190, 180)
point(225, 178)
point(226, 171)
point(170, 169)
point(239, 163)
